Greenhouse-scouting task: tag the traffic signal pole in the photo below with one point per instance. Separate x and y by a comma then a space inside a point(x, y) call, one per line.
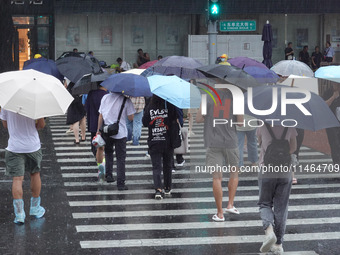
point(212, 36)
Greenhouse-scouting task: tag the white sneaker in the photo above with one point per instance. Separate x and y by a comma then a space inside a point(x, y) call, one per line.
point(69, 132)
point(147, 155)
point(180, 164)
point(277, 249)
point(173, 171)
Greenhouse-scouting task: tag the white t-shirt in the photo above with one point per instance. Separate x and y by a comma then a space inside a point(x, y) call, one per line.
point(125, 66)
point(23, 135)
point(110, 107)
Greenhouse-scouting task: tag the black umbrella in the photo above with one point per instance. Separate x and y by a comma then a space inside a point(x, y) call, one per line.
point(267, 37)
point(231, 74)
point(74, 68)
point(83, 85)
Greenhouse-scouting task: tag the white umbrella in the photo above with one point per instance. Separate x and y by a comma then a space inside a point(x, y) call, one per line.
point(303, 82)
point(33, 94)
point(135, 71)
point(288, 67)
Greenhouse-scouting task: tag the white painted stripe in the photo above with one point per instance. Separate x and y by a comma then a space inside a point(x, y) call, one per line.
point(198, 225)
point(63, 134)
point(189, 190)
point(195, 180)
point(204, 240)
point(89, 153)
point(200, 158)
point(181, 212)
point(70, 137)
point(142, 146)
point(192, 200)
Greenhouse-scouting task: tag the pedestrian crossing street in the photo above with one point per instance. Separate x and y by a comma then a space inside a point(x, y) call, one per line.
point(127, 222)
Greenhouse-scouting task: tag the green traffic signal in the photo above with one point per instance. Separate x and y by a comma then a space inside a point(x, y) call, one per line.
point(214, 10)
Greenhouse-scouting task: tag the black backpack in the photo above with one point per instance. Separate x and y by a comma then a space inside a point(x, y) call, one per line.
point(277, 153)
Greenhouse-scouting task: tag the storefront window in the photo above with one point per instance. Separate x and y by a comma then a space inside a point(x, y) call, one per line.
point(43, 20)
point(23, 20)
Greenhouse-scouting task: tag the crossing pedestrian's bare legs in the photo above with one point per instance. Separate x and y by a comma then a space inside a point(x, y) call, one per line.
point(17, 191)
point(82, 124)
point(35, 184)
point(218, 195)
point(76, 131)
point(232, 188)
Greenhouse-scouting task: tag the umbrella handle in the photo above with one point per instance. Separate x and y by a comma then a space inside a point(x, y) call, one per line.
point(292, 85)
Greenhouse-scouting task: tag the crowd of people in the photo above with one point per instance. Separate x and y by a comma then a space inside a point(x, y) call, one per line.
point(313, 61)
point(118, 120)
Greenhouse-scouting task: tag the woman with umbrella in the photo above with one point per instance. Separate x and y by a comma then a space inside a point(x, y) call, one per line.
point(76, 114)
point(159, 116)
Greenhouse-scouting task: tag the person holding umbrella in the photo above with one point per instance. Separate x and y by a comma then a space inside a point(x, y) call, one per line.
point(115, 108)
point(23, 153)
point(159, 117)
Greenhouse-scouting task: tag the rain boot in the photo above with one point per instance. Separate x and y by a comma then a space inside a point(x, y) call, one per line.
point(19, 211)
point(36, 210)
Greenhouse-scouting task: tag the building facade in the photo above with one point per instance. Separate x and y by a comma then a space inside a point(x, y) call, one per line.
point(117, 28)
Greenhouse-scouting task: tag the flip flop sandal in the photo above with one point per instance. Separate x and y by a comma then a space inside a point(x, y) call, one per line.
point(217, 219)
point(232, 210)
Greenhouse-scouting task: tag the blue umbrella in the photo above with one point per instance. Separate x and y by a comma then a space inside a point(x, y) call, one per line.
point(321, 116)
point(331, 73)
point(128, 84)
point(183, 67)
point(43, 65)
point(176, 91)
point(262, 75)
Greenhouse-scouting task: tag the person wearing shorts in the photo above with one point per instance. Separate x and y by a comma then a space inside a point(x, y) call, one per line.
point(23, 154)
point(222, 149)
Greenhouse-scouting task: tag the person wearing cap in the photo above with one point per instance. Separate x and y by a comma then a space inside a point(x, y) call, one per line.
point(37, 56)
point(223, 60)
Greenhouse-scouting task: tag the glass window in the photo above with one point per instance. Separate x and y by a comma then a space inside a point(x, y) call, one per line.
point(23, 20)
point(43, 20)
point(43, 37)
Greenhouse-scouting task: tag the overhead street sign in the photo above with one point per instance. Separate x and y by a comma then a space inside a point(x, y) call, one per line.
point(237, 25)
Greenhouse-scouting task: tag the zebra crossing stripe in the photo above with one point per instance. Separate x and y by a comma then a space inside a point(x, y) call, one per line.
point(182, 212)
point(198, 225)
point(204, 240)
point(189, 190)
point(192, 200)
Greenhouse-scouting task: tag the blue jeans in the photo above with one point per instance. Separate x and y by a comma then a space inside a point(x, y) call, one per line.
point(251, 145)
point(135, 128)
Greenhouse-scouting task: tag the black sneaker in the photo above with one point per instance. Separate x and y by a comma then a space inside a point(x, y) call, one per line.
point(123, 187)
point(159, 195)
point(109, 178)
point(167, 192)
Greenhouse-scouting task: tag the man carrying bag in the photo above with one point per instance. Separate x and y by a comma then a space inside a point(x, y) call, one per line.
point(114, 110)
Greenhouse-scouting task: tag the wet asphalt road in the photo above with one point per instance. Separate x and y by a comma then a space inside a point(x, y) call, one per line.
point(81, 213)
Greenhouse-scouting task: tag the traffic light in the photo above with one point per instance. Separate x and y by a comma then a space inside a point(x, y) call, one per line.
point(214, 10)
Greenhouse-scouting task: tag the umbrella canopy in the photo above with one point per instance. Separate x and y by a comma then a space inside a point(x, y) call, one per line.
point(267, 37)
point(231, 74)
point(33, 94)
point(84, 85)
point(128, 84)
point(43, 65)
point(307, 83)
point(262, 75)
point(176, 91)
point(148, 64)
point(183, 67)
point(243, 62)
point(288, 67)
point(321, 116)
point(134, 71)
point(331, 73)
point(74, 68)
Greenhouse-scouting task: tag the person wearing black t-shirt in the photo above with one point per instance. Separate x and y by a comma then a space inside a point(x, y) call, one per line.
point(304, 55)
point(289, 52)
point(332, 99)
point(316, 58)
